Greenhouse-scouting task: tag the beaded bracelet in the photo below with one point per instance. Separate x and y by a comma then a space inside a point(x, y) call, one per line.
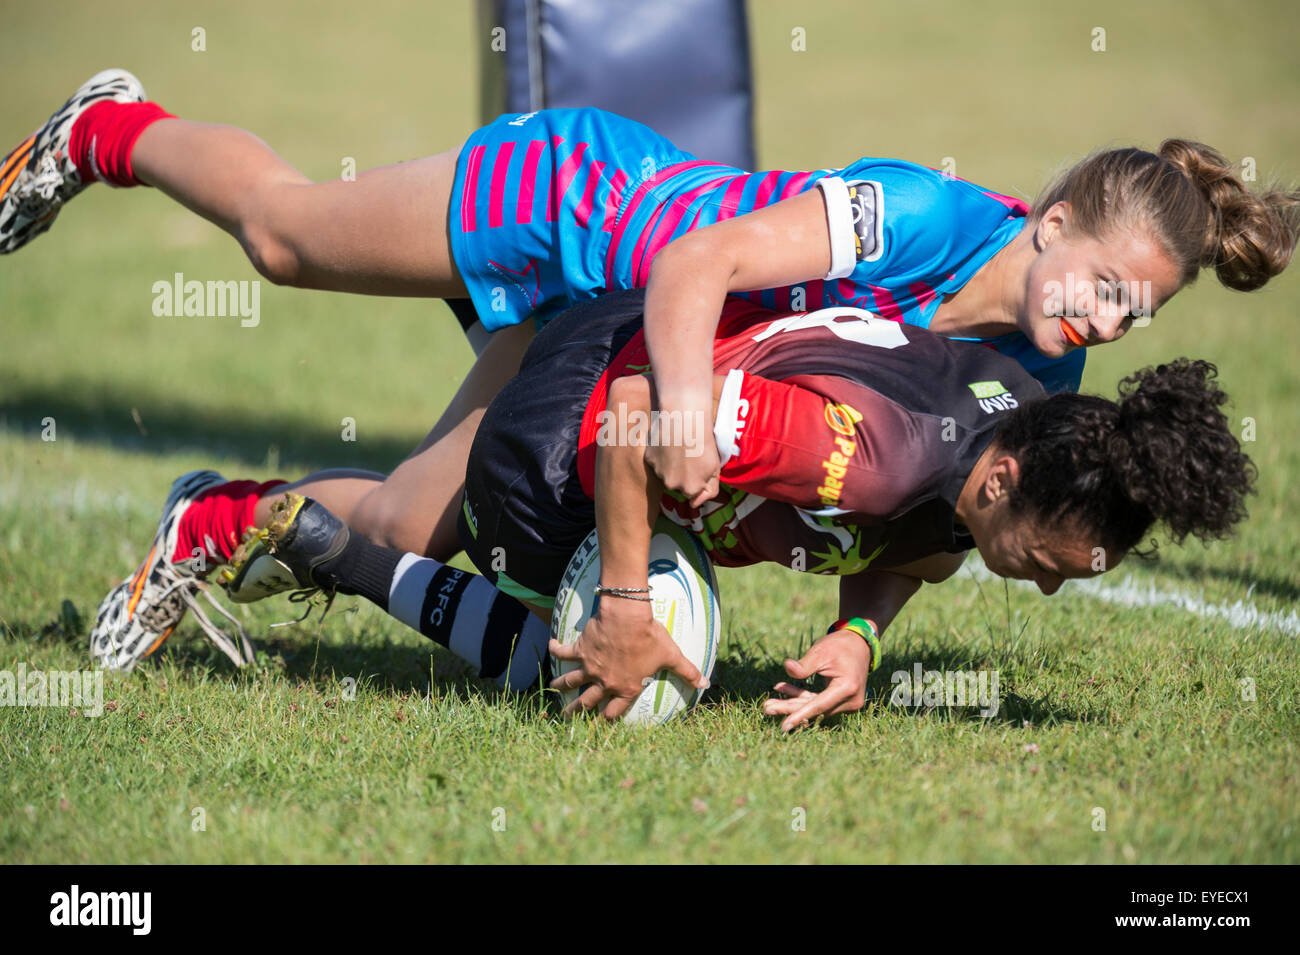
point(627, 593)
point(865, 630)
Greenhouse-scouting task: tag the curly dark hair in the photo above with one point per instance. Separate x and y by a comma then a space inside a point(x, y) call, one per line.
point(1163, 453)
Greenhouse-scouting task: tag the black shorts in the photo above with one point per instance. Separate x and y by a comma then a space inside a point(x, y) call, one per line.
point(524, 511)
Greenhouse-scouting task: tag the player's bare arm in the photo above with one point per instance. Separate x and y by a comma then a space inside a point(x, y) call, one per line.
point(623, 644)
point(776, 246)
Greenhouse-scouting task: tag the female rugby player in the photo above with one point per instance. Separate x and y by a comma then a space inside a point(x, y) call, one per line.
point(878, 451)
point(538, 210)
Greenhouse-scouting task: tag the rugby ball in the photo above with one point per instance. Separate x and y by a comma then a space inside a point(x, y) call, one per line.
point(684, 598)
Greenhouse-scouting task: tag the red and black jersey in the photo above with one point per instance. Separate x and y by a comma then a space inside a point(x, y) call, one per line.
point(845, 438)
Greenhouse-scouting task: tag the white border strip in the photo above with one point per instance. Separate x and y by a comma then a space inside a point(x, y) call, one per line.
point(1130, 593)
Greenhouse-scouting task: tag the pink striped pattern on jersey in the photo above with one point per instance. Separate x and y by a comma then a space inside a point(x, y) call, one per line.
point(731, 198)
point(922, 292)
point(524, 208)
point(847, 290)
point(614, 199)
point(564, 177)
point(766, 186)
point(497, 194)
point(638, 197)
point(696, 221)
point(467, 218)
point(583, 213)
point(886, 307)
point(654, 239)
point(795, 185)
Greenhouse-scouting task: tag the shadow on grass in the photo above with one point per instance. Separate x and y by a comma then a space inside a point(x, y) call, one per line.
point(741, 676)
point(383, 667)
point(391, 669)
point(745, 678)
point(172, 425)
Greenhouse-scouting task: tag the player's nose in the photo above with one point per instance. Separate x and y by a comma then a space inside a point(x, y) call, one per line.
point(1106, 326)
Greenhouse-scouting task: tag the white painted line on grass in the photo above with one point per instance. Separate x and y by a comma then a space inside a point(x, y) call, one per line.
point(1130, 593)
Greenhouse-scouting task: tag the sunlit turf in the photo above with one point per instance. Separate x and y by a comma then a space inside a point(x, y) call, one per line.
point(1139, 719)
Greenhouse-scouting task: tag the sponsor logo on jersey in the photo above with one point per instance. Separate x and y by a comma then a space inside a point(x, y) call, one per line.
point(842, 418)
point(836, 466)
point(529, 287)
point(993, 396)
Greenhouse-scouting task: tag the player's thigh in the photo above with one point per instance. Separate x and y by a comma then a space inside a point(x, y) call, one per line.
point(415, 508)
point(384, 232)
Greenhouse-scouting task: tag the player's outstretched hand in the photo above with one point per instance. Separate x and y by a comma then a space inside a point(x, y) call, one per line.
point(621, 647)
point(844, 659)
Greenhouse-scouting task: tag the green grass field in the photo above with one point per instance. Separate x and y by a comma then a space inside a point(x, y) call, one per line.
point(1142, 712)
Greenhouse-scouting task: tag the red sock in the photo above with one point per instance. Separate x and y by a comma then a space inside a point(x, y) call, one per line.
point(217, 519)
point(103, 137)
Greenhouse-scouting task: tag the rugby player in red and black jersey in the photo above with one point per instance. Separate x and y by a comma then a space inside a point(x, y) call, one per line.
point(851, 445)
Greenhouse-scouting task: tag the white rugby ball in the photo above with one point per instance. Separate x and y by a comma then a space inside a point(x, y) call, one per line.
point(684, 598)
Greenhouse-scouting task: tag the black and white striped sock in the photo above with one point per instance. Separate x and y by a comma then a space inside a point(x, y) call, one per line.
point(463, 612)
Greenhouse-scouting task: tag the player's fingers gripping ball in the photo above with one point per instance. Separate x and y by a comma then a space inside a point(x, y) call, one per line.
point(684, 599)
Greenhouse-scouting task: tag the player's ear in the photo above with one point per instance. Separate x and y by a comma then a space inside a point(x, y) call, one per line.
point(1003, 475)
point(1051, 223)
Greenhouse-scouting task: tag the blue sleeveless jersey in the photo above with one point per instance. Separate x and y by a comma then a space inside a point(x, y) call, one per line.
point(553, 207)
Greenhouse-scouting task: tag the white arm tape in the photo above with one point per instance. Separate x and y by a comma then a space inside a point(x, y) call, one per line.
point(839, 218)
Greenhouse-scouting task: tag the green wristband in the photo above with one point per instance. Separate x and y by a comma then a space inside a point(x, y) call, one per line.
point(866, 631)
